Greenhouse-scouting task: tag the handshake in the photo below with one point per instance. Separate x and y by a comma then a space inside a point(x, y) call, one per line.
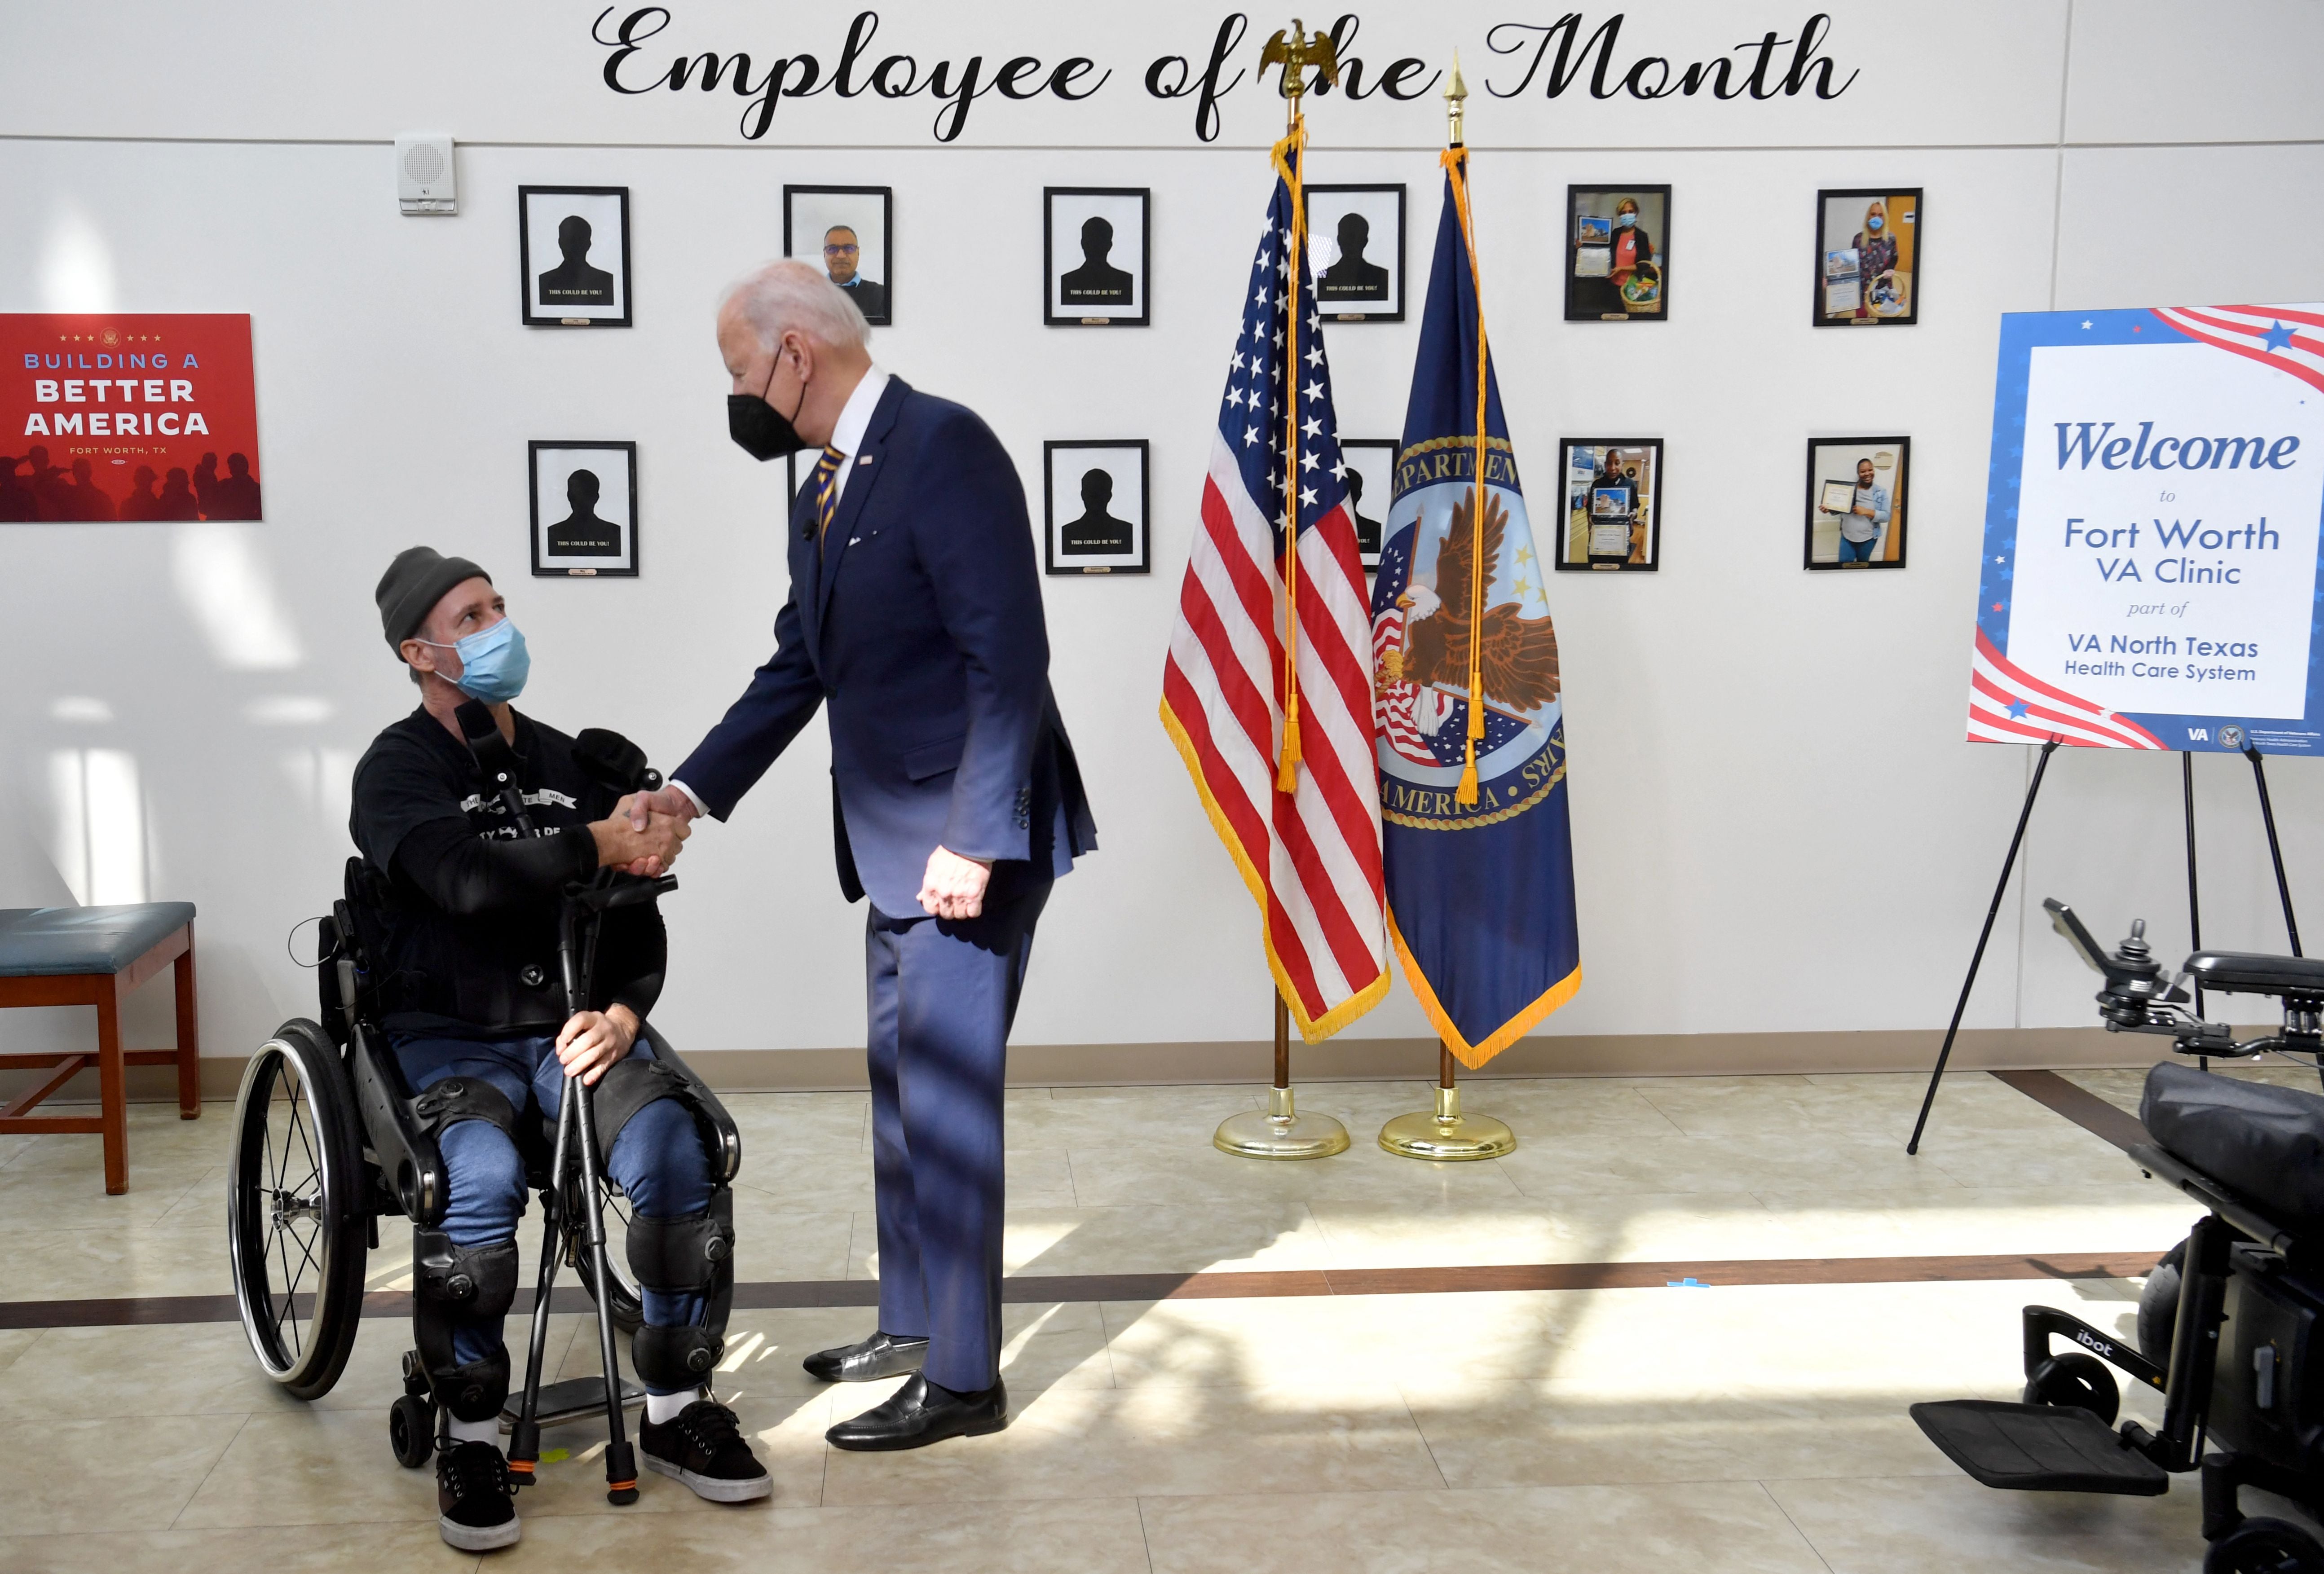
point(644, 833)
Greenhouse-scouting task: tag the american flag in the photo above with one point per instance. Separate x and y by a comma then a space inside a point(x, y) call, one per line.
point(2284, 337)
point(2009, 706)
point(1311, 856)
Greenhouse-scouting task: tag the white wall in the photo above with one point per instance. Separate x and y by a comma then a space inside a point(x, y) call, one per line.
point(1777, 828)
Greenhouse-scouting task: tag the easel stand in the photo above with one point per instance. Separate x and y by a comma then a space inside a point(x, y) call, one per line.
point(2194, 910)
point(1444, 1134)
point(1281, 1131)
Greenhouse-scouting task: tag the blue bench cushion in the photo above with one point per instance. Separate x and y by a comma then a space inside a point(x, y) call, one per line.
point(37, 941)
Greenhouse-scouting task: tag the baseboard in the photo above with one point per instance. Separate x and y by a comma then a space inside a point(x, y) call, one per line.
point(1610, 1055)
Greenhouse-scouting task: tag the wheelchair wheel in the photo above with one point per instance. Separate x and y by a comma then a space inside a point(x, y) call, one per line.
point(2265, 1546)
point(295, 1201)
point(2158, 1307)
point(411, 1430)
point(629, 1307)
point(2075, 1381)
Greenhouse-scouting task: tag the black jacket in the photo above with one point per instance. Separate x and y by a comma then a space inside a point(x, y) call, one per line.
point(471, 930)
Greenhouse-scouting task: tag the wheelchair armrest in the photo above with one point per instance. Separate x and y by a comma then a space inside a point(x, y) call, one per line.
point(408, 1160)
point(721, 1123)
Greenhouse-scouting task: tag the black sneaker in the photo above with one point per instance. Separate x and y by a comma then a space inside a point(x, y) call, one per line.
point(475, 1511)
point(702, 1447)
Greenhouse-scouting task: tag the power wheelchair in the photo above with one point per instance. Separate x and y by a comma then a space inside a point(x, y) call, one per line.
point(2230, 1326)
point(330, 1139)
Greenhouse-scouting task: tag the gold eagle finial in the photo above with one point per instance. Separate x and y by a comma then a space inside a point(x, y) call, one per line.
point(1294, 49)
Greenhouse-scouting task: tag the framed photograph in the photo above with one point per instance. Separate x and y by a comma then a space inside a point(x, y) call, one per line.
point(1618, 253)
point(1371, 486)
point(1613, 504)
point(573, 256)
point(585, 509)
point(848, 232)
point(1856, 501)
point(1355, 245)
point(1096, 248)
point(1868, 266)
point(1094, 497)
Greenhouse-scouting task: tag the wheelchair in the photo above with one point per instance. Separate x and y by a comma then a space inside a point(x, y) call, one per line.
point(2230, 1327)
point(330, 1139)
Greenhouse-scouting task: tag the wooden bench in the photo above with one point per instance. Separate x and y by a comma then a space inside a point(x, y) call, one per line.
point(95, 956)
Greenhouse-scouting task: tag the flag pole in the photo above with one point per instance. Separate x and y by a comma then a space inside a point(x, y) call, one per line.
point(1444, 1134)
point(1281, 1131)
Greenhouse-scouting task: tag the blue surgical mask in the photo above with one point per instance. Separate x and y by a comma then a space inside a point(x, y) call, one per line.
point(1624, 220)
point(493, 663)
point(1875, 222)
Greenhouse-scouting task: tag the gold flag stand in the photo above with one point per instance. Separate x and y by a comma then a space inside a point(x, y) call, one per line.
point(1444, 1132)
point(1281, 1131)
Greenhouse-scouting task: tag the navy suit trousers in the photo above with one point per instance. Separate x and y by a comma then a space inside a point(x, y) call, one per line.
point(943, 996)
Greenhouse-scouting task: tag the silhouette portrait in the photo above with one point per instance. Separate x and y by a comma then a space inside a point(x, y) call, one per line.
point(581, 533)
point(573, 281)
point(46, 482)
point(585, 509)
point(1096, 283)
point(205, 480)
point(1097, 530)
point(177, 501)
point(1351, 278)
point(16, 497)
point(843, 262)
point(1094, 507)
point(141, 505)
point(236, 496)
point(1367, 531)
point(84, 499)
point(582, 233)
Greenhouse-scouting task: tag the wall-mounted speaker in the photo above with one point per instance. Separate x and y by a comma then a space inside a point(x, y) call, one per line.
point(425, 181)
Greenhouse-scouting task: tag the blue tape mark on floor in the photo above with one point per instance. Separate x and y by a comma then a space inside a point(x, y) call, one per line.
point(1689, 1283)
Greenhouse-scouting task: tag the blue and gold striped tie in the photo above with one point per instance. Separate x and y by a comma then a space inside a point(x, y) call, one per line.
point(823, 483)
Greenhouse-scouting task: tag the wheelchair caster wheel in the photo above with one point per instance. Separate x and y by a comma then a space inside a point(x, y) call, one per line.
point(411, 1430)
point(2077, 1381)
point(2265, 1546)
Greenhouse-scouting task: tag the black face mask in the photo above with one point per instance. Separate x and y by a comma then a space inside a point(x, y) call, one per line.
point(758, 428)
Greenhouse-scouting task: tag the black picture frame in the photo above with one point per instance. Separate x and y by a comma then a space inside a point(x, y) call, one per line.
point(1056, 311)
point(550, 564)
point(1597, 297)
point(1896, 536)
point(1350, 311)
point(1373, 461)
point(1910, 263)
point(1139, 558)
point(1642, 514)
point(580, 201)
point(829, 197)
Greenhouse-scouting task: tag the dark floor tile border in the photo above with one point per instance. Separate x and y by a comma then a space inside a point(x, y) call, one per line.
point(2097, 1116)
point(1046, 1289)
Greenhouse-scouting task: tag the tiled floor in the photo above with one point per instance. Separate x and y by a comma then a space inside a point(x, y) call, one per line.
point(1737, 1428)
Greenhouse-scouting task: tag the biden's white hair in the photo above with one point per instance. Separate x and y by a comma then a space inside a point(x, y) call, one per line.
point(779, 297)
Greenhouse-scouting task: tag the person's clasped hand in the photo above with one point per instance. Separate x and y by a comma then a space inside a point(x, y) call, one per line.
point(592, 1041)
point(639, 840)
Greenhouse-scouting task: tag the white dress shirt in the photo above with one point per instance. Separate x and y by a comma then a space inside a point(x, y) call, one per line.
point(847, 436)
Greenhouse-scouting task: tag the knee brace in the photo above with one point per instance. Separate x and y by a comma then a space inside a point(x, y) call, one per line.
point(472, 1284)
point(689, 1256)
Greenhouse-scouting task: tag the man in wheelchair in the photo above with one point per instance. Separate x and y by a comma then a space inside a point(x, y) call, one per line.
point(468, 907)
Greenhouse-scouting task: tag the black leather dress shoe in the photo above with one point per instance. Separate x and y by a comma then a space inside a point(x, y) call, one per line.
point(922, 1412)
point(883, 1355)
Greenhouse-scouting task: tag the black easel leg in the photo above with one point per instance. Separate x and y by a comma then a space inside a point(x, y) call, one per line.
point(1976, 958)
point(2194, 908)
point(2275, 849)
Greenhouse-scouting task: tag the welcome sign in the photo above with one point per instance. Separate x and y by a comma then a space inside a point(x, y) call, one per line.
point(2151, 576)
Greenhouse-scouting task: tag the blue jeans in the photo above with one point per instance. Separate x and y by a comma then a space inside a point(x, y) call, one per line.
point(1856, 551)
point(658, 1160)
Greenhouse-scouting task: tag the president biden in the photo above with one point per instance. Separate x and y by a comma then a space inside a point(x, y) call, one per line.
point(914, 617)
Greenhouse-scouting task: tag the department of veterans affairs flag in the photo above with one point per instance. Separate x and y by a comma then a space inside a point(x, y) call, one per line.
point(1310, 855)
point(1480, 894)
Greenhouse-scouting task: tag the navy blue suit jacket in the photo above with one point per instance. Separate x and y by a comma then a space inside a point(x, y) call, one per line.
point(919, 621)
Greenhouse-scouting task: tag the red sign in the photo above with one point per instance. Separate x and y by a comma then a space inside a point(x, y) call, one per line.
point(127, 417)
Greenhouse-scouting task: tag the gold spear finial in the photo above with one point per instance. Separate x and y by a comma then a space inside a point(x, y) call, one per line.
point(1456, 94)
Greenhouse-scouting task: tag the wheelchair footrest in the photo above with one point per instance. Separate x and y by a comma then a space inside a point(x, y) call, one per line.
point(574, 1399)
point(2038, 1448)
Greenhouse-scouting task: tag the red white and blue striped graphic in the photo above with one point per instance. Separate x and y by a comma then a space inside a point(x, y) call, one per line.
point(2007, 704)
point(2289, 341)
